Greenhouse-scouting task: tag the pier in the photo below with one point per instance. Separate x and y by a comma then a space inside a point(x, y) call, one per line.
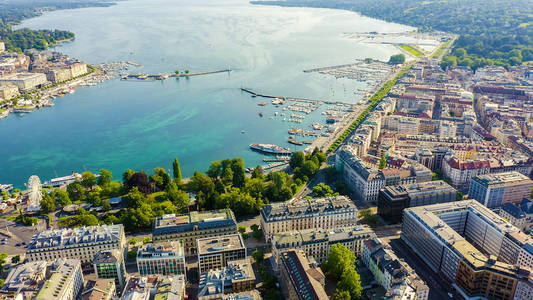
point(165, 76)
point(255, 94)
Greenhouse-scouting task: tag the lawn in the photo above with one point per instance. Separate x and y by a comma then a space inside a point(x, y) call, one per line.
point(413, 50)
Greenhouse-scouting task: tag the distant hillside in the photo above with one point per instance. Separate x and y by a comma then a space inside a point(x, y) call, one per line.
point(491, 31)
point(14, 11)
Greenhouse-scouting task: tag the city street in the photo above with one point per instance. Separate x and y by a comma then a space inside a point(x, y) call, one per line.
point(437, 289)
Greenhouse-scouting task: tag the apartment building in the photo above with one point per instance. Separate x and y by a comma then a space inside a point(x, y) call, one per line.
point(470, 246)
point(100, 289)
point(79, 243)
point(317, 242)
point(161, 259)
point(238, 276)
point(24, 81)
point(495, 190)
point(393, 199)
point(9, 91)
point(395, 277)
point(65, 281)
point(365, 180)
point(216, 252)
point(302, 280)
point(300, 214)
point(110, 265)
point(171, 288)
point(192, 226)
point(25, 279)
point(520, 215)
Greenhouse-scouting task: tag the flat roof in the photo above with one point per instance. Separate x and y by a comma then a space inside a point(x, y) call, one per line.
point(220, 244)
point(316, 235)
point(429, 215)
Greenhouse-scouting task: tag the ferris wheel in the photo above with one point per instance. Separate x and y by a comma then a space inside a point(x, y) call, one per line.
point(35, 193)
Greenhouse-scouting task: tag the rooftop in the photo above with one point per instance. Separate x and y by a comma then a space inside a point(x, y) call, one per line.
point(173, 223)
point(220, 244)
point(509, 178)
point(107, 257)
point(429, 216)
point(169, 249)
point(296, 266)
point(67, 237)
point(429, 187)
point(98, 289)
point(221, 281)
point(171, 288)
point(298, 207)
point(63, 270)
point(25, 276)
point(286, 239)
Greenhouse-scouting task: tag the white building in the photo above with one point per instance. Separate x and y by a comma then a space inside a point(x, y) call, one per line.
point(65, 282)
point(299, 214)
point(80, 243)
point(317, 242)
point(24, 81)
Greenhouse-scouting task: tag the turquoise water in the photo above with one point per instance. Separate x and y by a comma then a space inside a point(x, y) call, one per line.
point(145, 124)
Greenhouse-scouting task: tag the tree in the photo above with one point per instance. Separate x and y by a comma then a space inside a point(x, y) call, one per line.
point(106, 206)
point(75, 191)
point(297, 159)
point(15, 259)
point(176, 170)
point(257, 172)
point(187, 72)
point(178, 197)
point(133, 241)
point(105, 177)
point(139, 180)
point(135, 198)
point(459, 196)
point(62, 197)
point(339, 259)
point(258, 256)
point(309, 168)
point(397, 59)
point(279, 189)
point(237, 167)
point(382, 162)
point(351, 282)
point(131, 255)
point(177, 73)
point(447, 61)
point(341, 295)
point(147, 239)
point(242, 229)
point(88, 180)
point(111, 219)
point(255, 187)
point(323, 190)
point(48, 204)
point(160, 178)
point(3, 257)
point(127, 175)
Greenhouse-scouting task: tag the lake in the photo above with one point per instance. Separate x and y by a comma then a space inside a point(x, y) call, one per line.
point(145, 124)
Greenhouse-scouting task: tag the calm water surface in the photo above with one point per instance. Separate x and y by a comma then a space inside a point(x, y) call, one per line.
point(141, 125)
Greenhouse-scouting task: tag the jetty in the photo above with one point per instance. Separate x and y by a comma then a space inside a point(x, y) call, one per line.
point(255, 94)
point(165, 76)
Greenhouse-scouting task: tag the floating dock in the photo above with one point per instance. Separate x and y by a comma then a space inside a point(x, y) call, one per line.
point(165, 76)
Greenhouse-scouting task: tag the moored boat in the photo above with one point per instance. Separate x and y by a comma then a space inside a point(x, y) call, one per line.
point(270, 149)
